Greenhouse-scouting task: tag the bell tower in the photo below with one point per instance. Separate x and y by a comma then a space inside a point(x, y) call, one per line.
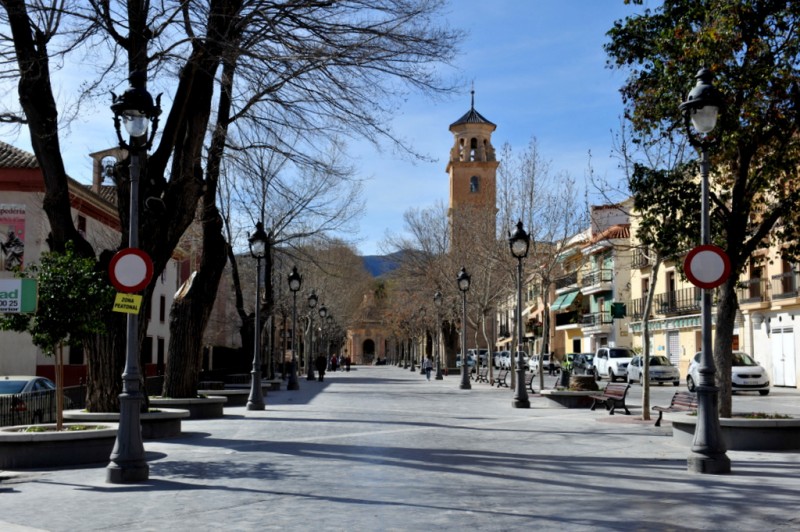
point(473, 178)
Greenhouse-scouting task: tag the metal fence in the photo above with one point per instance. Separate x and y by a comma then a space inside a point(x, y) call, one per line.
point(40, 407)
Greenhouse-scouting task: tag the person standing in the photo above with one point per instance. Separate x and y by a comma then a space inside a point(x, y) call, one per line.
point(320, 362)
point(427, 365)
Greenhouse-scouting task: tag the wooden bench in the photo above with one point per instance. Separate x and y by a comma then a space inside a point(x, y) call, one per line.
point(500, 379)
point(529, 381)
point(612, 396)
point(482, 375)
point(684, 401)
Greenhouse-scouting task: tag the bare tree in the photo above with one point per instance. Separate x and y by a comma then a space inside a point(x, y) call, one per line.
point(316, 67)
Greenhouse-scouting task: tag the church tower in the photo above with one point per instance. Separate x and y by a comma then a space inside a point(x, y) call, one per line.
point(473, 179)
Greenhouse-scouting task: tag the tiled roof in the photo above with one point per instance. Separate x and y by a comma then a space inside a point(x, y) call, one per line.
point(613, 232)
point(11, 157)
point(472, 117)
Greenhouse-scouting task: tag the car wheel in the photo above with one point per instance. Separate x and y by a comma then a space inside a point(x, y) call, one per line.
point(690, 383)
point(676, 383)
point(611, 376)
point(763, 392)
point(596, 375)
point(630, 381)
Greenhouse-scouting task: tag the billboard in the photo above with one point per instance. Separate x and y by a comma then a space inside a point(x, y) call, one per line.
point(12, 235)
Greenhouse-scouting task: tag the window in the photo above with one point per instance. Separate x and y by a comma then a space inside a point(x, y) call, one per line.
point(162, 308)
point(82, 225)
point(75, 355)
point(474, 184)
point(160, 353)
point(147, 350)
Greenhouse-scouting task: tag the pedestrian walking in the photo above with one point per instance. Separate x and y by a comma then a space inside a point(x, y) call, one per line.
point(347, 363)
point(427, 365)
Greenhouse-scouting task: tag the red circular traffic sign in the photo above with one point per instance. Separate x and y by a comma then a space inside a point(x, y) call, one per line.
point(707, 266)
point(131, 270)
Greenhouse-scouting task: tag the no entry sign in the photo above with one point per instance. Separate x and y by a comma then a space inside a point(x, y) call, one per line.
point(707, 266)
point(130, 270)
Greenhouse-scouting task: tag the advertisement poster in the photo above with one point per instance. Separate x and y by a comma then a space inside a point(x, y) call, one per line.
point(12, 236)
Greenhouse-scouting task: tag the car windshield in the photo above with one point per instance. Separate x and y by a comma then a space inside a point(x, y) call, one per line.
point(8, 387)
point(743, 359)
point(620, 353)
point(659, 361)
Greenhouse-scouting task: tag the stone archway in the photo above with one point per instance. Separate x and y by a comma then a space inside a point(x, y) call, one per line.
point(368, 351)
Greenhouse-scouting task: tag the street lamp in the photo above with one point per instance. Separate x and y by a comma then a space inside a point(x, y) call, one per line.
point(424, 341)
point(258, 249)
point(437, 301)
point(312, 303)
point(708, 449)
point(134, 108)
point(519, 243)
point(463, 280)
point(294, 285)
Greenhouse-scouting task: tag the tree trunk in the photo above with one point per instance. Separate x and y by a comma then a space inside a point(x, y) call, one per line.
point(648, 304)
point(105, 362)
point(726, 318)
point(190, 311)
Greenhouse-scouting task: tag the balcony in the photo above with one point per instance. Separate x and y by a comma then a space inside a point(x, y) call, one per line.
point(568, 320)
point(684, 301)
point(597, 281)
point(640, 259)
point(636, 309)
point(753, 292)
point(597, 322)
point(785, 285)
point(568, 281)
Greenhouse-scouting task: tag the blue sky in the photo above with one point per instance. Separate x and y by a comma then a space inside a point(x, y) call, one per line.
point(538, 68)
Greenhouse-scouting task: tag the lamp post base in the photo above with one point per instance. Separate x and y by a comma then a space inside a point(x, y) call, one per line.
point(123, 473)
point(254, 405)
point(521, 403)
point(127, 463)
point(465, 386)
point(710, 465)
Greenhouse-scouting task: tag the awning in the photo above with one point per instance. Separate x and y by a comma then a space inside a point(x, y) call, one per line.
point(504, 342)
point(529, 309)
point(564, 300)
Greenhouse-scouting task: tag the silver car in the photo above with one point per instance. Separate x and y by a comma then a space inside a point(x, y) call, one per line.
point(747, 374)
point(661, 370)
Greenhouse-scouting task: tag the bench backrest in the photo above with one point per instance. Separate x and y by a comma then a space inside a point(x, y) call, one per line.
point(687, 399)
point(616, 390)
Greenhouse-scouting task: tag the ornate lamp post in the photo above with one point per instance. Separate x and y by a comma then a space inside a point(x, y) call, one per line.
point(424, 339)
point(312, 304)
point(294, 285)
point(323, 313)
point(708, 449)
point(463, 280)
point(520, 242)
point(258, 248)
point(437, 301)
point(135, 108)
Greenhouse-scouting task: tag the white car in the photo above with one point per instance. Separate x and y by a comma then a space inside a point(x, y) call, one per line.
point(502, 360)
point(612, 362)
point(661, 370)
point(533, 363)
point(747, 374)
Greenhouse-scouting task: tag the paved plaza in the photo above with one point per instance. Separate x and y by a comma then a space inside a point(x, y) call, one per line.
point(381, 448)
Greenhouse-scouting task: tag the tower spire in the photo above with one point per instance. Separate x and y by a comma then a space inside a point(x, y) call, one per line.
point(472, 93)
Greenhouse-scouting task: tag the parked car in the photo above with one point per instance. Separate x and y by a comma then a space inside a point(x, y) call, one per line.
point(503, 360)
point(470, 360)
point(747, 374)
point(481, 353)
point(583, 364)
point(533, 364)
point(26, 399)
point(661, 370)
point(612, 362)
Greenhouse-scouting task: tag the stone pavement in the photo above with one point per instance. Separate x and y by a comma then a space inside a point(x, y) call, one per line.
point(381, 448)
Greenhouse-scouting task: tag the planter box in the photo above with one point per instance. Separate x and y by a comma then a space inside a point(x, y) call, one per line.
point(24, 450)
point(155, 425)
point(198, 407)
point(740, 434)
point(569, 399)
point(235, 396)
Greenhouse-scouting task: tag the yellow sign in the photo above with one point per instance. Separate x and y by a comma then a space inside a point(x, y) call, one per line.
point(128, 303)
